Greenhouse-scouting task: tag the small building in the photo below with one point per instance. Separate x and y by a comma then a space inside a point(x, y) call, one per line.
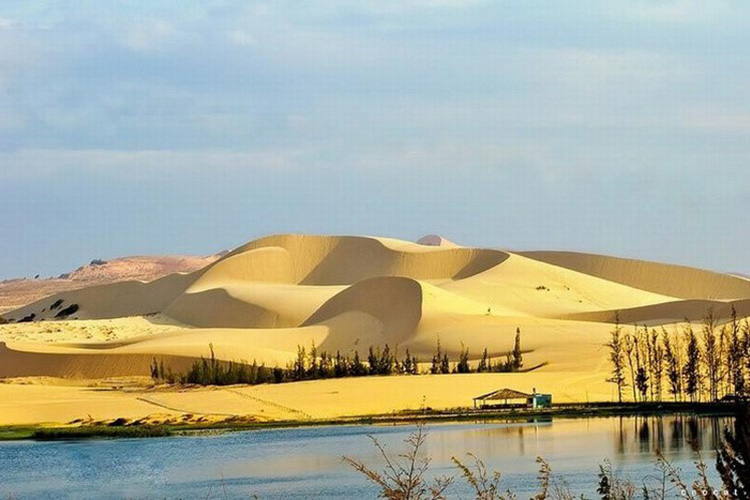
point(539, 401)
point(510, 398)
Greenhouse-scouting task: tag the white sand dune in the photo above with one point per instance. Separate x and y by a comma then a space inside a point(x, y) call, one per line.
point(264, 299)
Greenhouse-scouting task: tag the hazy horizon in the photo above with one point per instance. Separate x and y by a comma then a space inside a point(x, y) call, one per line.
point(132, 128)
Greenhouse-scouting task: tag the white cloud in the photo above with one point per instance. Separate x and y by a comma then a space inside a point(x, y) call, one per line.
point(149, 34)
point(718, 120)
point(47, 162)
point(242, 38)
point(676, 11)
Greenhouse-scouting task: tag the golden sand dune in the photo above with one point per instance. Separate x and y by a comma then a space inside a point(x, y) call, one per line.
point(669, 312)
point(667, 279)
point(264, 299)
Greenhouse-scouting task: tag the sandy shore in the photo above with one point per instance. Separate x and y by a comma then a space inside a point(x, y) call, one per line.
point(52, 401)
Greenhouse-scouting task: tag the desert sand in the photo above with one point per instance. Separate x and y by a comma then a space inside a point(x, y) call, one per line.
point(264, 299)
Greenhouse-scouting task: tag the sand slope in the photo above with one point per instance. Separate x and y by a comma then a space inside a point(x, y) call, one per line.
point(678, 281)
point(264, 299)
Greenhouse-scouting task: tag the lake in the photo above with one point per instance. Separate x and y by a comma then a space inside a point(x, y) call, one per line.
point(307, 462)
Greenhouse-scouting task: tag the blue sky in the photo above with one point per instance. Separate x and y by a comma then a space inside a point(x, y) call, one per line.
point(190, 127)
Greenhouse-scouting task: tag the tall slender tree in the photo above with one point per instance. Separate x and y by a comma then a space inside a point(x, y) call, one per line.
point(691, 370)
point(673, 365)
point(710, 355)
point(517, 354)
point(616, 358)
point(657, 365)
point(629, 346)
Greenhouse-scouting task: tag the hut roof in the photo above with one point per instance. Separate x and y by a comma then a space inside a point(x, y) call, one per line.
point(503, 394)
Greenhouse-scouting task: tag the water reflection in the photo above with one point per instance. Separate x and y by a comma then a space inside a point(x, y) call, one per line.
point(306, 463)
point(677, 433)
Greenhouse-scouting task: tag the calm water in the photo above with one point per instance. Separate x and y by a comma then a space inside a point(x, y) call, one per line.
point(306, 463)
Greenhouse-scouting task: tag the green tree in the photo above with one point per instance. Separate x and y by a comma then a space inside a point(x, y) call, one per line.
point(691, 370)
point(735, 355)
point(358, 369)
point(517, 354)
point(463, 362)
point(312, 364)
point(710, 355)
point(445, 364)
point(673, 365)
point(300, 367)
point(435, 367)
point(657, 365)
point(616, 358)
point(484, 362)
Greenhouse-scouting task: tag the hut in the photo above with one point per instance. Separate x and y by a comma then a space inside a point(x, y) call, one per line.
point(506, 398)
point(510, 398)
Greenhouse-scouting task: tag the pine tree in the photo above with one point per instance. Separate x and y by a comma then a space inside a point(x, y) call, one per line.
point(407, 363)
point(358, 369)
point(325, 369)
point(414, 365)
point(445, 365)
point(484, 362)
point(517, 355)
point(463, 362)
point(435, 367)
point(385, 361)
point(372, 360)
point(300, 368)
point(312, 365)
point(338, 365)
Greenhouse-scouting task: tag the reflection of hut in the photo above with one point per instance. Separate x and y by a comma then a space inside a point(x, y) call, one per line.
point(510, 398)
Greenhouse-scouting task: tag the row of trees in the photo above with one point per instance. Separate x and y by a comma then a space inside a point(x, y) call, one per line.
point(312, 365)
point(210, 371)
point(688, 365)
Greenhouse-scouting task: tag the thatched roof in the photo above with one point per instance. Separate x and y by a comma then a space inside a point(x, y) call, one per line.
point(503, 394)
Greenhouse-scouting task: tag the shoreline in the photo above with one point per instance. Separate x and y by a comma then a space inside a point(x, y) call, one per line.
point(121, 430)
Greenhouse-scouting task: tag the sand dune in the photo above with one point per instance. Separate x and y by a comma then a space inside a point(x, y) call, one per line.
point(667, 279)
point(264, 299)
point(670, 312)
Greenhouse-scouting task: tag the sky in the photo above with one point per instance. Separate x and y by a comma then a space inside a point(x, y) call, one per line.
point(140, 127)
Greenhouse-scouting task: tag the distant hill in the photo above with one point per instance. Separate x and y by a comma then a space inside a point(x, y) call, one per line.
point(15, 293)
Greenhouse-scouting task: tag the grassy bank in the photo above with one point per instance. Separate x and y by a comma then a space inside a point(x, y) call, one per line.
point(466, 415)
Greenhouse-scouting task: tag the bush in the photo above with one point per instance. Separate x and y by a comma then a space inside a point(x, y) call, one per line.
point(71, 309)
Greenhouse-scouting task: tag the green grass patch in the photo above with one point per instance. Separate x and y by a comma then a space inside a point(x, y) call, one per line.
point(95, 431)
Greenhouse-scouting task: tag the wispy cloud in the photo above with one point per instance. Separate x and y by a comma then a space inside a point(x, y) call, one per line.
point(40, 163)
